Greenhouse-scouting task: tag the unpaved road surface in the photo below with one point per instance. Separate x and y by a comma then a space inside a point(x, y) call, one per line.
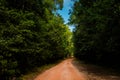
point(63, 71)
point(71, 69)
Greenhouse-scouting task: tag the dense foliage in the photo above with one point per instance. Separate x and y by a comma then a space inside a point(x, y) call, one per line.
point(31, 34)
point(97, 31)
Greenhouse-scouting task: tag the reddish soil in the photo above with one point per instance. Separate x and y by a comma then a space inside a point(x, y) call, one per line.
point(71, 69)
point(63, 71)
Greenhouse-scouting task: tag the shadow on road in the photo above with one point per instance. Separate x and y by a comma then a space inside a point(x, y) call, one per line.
point(94, 72)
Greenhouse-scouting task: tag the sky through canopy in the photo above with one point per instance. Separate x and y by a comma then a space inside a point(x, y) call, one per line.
point(65, 11)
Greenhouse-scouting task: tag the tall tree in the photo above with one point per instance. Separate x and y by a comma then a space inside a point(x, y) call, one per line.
point(31, 35)
point(97, 28)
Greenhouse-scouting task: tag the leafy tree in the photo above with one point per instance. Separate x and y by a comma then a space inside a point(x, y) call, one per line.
point(97, 29)
point(31, 34)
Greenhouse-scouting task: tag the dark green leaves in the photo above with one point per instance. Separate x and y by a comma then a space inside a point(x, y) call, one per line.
point(97, 29)
point(31, 35)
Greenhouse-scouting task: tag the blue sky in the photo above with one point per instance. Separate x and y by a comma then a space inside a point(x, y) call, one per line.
point(64, 12)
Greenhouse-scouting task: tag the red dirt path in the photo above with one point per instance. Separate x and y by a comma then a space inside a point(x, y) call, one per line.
point(63, 71)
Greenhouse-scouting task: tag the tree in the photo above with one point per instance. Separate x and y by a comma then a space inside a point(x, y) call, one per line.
point(96, 30)
point(31, 34)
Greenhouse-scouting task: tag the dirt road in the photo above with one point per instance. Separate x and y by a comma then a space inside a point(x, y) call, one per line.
point(71, 69)
point(63, 71)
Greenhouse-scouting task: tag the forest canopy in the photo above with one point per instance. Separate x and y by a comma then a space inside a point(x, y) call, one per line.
point(32, 34)
point(97, 31)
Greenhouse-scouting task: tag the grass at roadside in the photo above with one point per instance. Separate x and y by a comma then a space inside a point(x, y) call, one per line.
point(96, 72)
point(33, 73)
